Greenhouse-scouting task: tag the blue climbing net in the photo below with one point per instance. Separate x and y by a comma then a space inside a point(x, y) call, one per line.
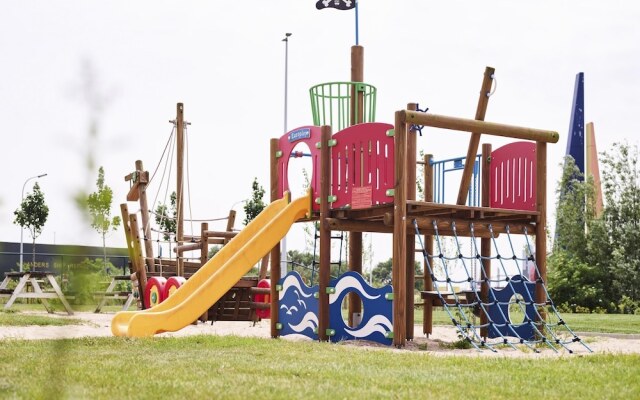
point(541, 323)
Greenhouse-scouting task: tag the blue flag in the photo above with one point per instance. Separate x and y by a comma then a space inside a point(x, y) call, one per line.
point(339, 4)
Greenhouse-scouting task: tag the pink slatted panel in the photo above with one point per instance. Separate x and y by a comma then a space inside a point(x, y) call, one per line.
point(362, 159)
point(513, 176)
point(304, 134)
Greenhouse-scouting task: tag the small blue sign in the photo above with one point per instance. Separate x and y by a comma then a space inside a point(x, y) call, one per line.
point(299, 134)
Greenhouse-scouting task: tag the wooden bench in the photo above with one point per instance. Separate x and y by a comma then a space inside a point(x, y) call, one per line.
point(33, 279)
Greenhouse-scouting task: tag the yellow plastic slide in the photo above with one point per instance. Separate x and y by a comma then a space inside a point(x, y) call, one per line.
point(218, 275)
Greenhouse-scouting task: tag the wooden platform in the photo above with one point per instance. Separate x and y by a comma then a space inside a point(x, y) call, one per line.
point(447, 216)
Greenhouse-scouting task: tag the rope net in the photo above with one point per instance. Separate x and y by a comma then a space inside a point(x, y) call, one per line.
point(509, 314)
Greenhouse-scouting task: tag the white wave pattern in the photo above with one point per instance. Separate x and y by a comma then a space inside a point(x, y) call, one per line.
point(310, 320)
point(292, 281)
point(352, 284)
point(377, 323)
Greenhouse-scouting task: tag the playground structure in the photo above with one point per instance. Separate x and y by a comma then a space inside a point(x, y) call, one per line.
point(363, 179)
point(154, 277)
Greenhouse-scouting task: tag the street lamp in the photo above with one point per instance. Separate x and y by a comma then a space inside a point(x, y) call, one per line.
point(21, 227)
point(283, 250)
point(286, 76)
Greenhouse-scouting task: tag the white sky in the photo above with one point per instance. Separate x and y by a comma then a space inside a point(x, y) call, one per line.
point(225, 61)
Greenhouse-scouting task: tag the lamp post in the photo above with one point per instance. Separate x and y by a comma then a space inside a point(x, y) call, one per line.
point(21, 227)
point(283, 249)
point(286, 76)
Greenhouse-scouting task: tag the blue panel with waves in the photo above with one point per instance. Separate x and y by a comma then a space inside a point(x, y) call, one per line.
point(298, 307)
point(377, 311)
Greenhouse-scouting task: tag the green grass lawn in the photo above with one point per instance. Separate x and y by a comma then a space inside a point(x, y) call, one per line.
point(25, 319)
point(607, 323)
point(233, 368)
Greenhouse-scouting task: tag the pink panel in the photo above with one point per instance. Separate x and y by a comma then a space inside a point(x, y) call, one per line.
point(362, 158)
point(513, 176)
point(305, 134)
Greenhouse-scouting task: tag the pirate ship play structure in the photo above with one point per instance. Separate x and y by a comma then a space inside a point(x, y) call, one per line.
point(363, 179)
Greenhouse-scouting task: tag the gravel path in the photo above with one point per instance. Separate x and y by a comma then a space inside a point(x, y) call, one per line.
point(98, 325)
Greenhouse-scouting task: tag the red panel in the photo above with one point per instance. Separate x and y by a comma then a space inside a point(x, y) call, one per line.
point(513, 177)
point(362, 157)
point(304, 134)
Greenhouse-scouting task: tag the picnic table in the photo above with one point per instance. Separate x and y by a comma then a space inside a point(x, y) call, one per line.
point(111, 293)
point(33, 280)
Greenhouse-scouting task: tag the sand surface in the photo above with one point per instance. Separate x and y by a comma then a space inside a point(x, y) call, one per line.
point(98, 325)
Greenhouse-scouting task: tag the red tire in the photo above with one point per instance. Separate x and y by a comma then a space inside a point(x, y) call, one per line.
point(263, 298)
point(172, 285)
point(154, 291)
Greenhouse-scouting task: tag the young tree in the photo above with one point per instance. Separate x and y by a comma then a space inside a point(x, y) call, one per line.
point(166, 221)
point(255, 205)
point(32, 214)
point(99, 207)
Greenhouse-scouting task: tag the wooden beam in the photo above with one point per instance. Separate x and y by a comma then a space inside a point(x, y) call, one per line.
point(427, 310)
point(399, 270)
point(357, 115)
point(275, 252)
point(485, 243)
point(186, 247)
point(221, 234)
point(325, 235)
point(541, 227)
point(180, 184)
point(474, 141)
point(411, 165)
point(470, 125)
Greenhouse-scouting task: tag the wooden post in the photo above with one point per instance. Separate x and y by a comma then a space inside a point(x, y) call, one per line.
point(541, 223)
point(325, 234)
point(357, 75)
point(141, 272)
point(427, 312)
point(474, 141)
point(144, 216)
point(355, 265)
point(275, 252)
point(485, 243)
point(357, 115)
point(180, 185)
point(134, 260)
point(412, 144)
point(204, 243)
point(399, 270)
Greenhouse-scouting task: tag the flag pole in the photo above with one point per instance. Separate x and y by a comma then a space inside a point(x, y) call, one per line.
point(357, 39)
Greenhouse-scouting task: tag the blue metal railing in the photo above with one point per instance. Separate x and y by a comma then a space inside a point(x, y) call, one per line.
point(442, 167)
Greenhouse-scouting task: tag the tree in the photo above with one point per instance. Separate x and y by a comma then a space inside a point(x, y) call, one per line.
point(32, 214)
point(578, 270)
point(622, 218)
point(382, 273)
point(166, 221)
point(255, 204)
point(99, 207)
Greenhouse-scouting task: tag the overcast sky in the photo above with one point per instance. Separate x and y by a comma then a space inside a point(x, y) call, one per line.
point(225, 61)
